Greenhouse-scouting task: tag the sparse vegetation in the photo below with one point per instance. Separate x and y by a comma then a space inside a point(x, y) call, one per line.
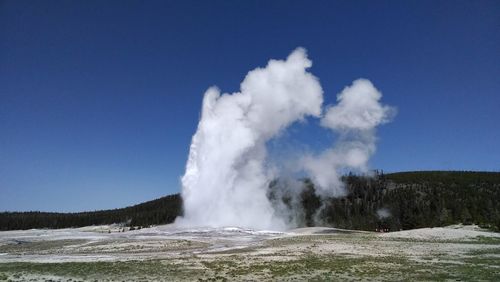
point(336, 255)
point(310, 267)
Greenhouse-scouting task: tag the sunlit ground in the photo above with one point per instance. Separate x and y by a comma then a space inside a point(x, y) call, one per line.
point(166, 254)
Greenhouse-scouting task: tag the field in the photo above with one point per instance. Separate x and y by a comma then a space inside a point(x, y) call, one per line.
point(164, 253)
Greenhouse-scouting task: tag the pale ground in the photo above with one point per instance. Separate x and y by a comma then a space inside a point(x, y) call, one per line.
point(166, 253)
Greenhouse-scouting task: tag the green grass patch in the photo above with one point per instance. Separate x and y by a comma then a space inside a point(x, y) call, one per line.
point(120, 270)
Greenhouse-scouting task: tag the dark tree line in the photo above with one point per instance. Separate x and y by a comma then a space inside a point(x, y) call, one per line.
point(159, 211)
point(415, 200)
point(410, 199)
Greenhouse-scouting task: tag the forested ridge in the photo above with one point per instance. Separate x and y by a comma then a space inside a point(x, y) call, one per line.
point(159, 211)
point(414, 200)
point(408, 200)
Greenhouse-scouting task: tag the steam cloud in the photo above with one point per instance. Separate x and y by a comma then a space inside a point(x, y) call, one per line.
point(225, 182)
point(383, 213)
point(354, 118)
point(227, 176)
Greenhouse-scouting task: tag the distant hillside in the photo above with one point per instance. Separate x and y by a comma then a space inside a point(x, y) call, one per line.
point(403, 200)
point(445, 177)
point(414, 200)
point(159, 211)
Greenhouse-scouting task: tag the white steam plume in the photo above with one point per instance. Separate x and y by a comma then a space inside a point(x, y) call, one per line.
point(355, 119)
point(383, 213)
point(226, 180)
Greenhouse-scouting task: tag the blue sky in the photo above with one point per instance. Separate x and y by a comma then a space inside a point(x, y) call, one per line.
point(99, 99)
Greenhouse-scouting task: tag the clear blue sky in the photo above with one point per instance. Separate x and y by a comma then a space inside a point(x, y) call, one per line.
point(99, 99)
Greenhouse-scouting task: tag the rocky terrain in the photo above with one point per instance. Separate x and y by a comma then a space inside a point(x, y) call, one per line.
point(166, 253)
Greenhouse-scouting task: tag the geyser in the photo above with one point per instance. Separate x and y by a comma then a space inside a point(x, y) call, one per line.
point(226, 180)
point(227, 176)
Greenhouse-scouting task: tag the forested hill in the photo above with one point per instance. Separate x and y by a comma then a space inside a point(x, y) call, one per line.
point(159, 211)
point(416, 200)
point(445, 177)
point(404, 200)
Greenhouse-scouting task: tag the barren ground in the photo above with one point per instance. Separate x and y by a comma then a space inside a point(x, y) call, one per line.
point(164, 253)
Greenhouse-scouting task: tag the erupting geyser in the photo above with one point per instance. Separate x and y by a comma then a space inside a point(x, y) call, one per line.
point(226, 178)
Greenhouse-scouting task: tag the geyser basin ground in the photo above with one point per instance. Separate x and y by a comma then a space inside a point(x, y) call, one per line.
point(165, 253)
